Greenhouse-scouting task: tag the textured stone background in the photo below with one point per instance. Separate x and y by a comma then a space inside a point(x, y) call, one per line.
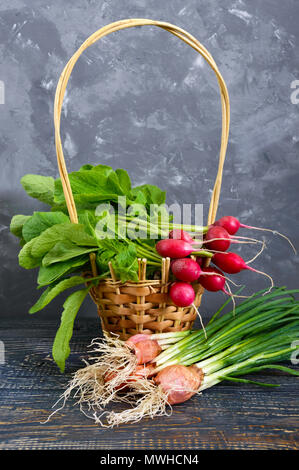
point(143, 100)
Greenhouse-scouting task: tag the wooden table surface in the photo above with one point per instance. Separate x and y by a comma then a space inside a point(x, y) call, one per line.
point(228, 416)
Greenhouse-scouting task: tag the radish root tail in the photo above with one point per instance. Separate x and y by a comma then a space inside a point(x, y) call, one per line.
point(200, 319)
point(264, 274)
point(231, 296)
point(253, 240)
point(233, 240)
point(258, 254)
point(275, 232)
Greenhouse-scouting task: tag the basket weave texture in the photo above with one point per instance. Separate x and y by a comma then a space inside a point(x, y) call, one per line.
point(143, 306)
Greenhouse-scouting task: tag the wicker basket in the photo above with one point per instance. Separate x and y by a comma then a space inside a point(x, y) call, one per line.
point(143, 306)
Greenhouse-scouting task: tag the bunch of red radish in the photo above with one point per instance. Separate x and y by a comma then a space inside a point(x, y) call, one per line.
point(180, 245)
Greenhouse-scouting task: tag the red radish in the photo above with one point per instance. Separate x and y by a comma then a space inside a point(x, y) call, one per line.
point(174, 248)
point(179, 382)
point(232, 263)
point(182, 294)
point(199, 260)
point(145, 350)
point(185, 269)
point(220, 238)
point(178, 234)
point(212, 280)
point(231, 224)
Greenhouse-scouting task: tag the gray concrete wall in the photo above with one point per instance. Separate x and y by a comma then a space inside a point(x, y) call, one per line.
point(143, 100)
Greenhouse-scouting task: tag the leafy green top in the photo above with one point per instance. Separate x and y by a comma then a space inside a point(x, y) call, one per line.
point(60, 249)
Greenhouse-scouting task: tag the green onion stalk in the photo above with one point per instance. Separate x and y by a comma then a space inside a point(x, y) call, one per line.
point(262, 331)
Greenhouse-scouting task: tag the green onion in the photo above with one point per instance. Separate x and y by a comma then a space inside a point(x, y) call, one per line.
point(196, 343)
point(263, 329)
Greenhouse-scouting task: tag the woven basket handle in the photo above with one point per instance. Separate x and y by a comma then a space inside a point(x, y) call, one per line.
point(63, 80)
